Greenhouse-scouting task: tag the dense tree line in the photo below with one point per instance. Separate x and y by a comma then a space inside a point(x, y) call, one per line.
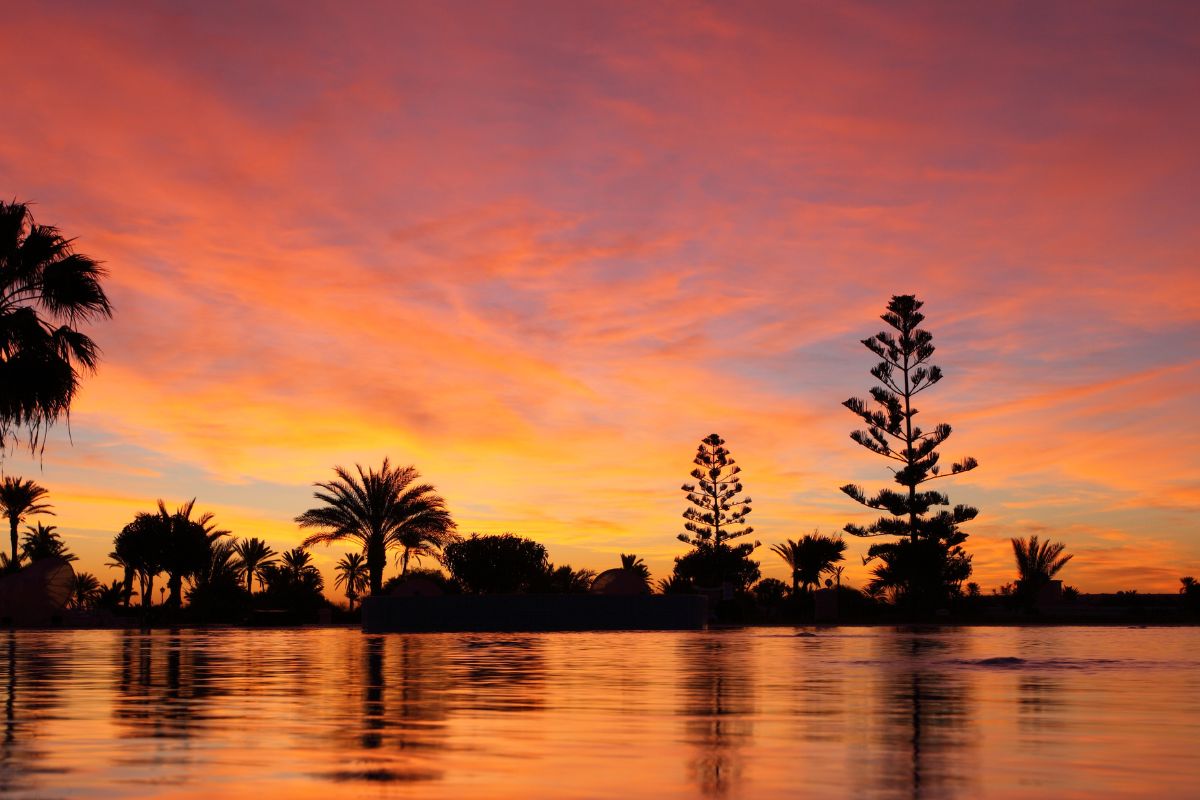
point(921, 564)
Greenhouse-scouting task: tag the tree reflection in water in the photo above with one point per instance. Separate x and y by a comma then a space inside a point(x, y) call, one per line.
point(404, 710)
point(717, 702)
point(923, 730)
point(413, 684)
point(167, 685)
point(1040, 707)
point(500, 674)
point(374, 714)
point(36, 672)
point(1042, 721)
point(411, 714)
point(821, 703)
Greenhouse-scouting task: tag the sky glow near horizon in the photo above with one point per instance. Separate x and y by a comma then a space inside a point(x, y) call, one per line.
point(539, 251)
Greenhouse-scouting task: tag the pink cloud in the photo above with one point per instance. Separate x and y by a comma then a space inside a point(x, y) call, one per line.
point(540, 251)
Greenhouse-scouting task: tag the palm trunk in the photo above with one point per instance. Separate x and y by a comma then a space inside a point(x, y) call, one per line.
point(376, 558)
point(404, 563)
point(127, 588)
point(175, 586)
point(249, 579)
point(14, 565)
point(148, 592)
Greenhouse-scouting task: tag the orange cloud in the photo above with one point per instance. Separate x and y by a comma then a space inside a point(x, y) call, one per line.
point(540, 254)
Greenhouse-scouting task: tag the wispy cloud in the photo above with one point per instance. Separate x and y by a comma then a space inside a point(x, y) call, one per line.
point(539, 251)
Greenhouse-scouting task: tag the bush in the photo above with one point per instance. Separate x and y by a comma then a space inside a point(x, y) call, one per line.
point(708, 566)
point(441, 579)
point(770, 592)
point(503, 564)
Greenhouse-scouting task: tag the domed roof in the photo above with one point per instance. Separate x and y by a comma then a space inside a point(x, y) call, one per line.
point(620, 581)
point(38, 592)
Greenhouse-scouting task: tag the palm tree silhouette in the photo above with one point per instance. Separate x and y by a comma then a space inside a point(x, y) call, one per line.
point(46, 291)
point(1038, 562)
point(18, 500)
point(381, 510)
point(630, 561)
point(188, 545)
point(297, 572)
point(112, 595)
point(352, 573)
point(812, 556)
point(43, 541)
point(162, 541)
point(138, 550)
point(220, 567)
point(86, 591)
point(1187, 584)
point(297, 563)
point(255, 556)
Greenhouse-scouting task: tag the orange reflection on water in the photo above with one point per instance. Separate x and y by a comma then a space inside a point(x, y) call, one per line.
point(1000, 712)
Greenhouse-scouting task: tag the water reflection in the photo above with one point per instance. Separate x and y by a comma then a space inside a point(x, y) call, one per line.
point(500, 674)
point(718, 704)
point(167, 684)
point(413, 685)
point(1040, 705)
point(923, 723)
point(32, 694)
point(819, 696)
point(10, 760)
point(865, 713)
point(405, 692)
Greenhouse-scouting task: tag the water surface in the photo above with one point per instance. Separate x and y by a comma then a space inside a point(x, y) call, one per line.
point(762, 713)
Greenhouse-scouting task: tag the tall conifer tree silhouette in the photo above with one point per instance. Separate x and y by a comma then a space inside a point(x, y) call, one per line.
point(903, 372)
point(715, 515)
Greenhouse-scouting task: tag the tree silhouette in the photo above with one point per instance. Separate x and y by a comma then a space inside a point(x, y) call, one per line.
point(770, 592)
point(810, 558)
point(493, 564)
point(294, 583)
point(380, 510)
point(715, 516)
point(634, 564)
point(111, 596)
point(138, 550)
point(674, 584)
point(85, 592)
point(43, 541)
point(564, 580)
point(1037, 563)
point(709, 567)
point(921, 573)
point(253, 556)
point(903, 372)
point(187, 547)
point(351, 572)
point(162, 541)
point(217, 591)
point(46, 292)
point(20, 499)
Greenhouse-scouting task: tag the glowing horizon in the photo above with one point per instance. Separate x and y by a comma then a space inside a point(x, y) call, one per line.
point(540, 252)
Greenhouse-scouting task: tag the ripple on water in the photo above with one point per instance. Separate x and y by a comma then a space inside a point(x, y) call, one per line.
point(988, 712)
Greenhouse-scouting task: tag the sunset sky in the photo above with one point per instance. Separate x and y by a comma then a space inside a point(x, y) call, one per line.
point(540, 249)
